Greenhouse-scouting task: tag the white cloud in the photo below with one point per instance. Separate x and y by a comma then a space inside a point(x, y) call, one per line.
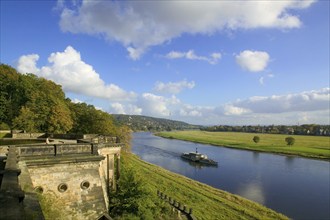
point(67, 69)
point(253, 61)
point(300, 102)
point(304, 107)
point(191, 111)
point(133, 53)
point(173, 87)
point(154, 105)
point(233, 110)
point(27, 63)
point(175, 55)
point(118, 108)
point(76, 101)
point(141, 24)
point(213, 59)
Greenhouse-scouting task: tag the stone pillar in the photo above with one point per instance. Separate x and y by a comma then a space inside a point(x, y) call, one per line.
point(118, 166)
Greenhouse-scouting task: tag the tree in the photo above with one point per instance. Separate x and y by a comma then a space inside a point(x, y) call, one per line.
point(88, 120)
point(25, 120)
point(289, 140)
point(256, 139)
point(131, 200)
point(124, 136)
point(60, 120)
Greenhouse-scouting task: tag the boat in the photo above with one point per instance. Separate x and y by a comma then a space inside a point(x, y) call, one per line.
point(198, 158)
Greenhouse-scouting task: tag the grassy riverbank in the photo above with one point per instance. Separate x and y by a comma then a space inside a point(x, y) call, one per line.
point(207, 202)
point(305, 146)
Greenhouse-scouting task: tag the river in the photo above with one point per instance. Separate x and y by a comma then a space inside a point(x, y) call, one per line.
point(297, 187)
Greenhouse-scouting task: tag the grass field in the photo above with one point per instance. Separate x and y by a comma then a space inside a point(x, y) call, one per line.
point(305, 146)
point(207, 202)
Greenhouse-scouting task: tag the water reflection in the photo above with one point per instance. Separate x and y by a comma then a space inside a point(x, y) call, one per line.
point(253, 191)
point(198, 165)
point(255, 157)
point(289, 160)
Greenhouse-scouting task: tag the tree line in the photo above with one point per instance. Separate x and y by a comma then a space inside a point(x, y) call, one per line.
point(305, 129)
point(35, 104)
point(146, 123)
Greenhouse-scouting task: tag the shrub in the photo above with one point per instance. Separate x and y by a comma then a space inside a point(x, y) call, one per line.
point(256, 139)
point(289, 140)
point(4, 126)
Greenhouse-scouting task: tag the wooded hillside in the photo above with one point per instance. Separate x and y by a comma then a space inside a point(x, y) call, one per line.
point(145, 123)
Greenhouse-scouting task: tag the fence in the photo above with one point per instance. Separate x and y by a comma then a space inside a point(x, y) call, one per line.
point(177, 205)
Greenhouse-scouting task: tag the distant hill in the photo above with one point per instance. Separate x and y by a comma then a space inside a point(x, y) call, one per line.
point(145, 123)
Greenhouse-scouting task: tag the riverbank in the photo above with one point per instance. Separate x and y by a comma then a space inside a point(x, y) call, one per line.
point(207, 202)
point(315, 147)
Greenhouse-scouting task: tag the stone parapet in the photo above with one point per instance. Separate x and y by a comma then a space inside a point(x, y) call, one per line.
point(11, 195)
point(63, 149)
point(28, 135)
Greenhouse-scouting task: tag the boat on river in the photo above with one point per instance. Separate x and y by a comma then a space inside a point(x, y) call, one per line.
point(198, 158)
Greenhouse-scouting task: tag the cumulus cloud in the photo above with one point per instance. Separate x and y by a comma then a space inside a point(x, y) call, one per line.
point(300, 102)
point(173, 87)
point(230, 109)
point(192, 111)
point(141, 24)
point(253, 61)
point(69, 70)
point(27, 63)
point(155, 105)
point(212, 59)
point(119, 108)
point(304, 107)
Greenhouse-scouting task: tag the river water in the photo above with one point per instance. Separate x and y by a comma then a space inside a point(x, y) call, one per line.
point(294, 186)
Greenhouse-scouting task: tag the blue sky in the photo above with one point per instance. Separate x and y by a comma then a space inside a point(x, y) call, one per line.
point(208, 62)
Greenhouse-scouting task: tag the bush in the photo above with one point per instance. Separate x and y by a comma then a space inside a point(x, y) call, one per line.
point(133, 199)
point(4, 126)
point(289, 140)
point(256, 139)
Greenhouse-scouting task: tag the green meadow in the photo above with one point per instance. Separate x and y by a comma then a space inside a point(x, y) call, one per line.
point(317, 147)
point(206, 201)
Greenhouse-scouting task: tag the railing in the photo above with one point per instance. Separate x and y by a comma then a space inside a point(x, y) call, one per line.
point(177, 205)
point(62, 149)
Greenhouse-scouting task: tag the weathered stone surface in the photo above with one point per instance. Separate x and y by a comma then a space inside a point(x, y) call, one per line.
point(73, 179)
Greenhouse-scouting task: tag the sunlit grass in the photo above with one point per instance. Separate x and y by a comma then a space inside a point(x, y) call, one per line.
point(207, 202)
point(306, 146)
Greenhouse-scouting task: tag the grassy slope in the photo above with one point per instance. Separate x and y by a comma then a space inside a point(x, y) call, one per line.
point(207, 202)
point(306, 146)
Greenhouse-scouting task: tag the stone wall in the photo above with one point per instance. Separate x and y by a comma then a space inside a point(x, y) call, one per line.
point(28, 135)
point(73, 180)
point(67, 136)
point(74, 188)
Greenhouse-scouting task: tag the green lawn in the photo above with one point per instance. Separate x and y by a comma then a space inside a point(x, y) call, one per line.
point(207, 202)
point(306, 146)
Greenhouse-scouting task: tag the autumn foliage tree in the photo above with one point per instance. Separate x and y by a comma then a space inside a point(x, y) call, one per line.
point(35, 104)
